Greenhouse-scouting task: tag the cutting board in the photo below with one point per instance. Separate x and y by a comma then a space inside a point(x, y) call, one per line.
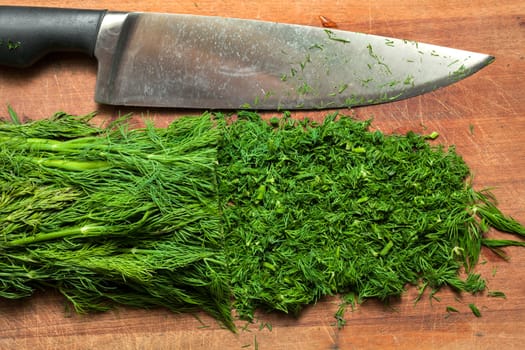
point(483, 116)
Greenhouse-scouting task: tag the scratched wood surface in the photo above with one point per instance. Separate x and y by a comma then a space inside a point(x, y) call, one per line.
point(484, 116)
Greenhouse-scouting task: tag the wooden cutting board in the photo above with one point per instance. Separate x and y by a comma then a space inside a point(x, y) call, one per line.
point(483, 116)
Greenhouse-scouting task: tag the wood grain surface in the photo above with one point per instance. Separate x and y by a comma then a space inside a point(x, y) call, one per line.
point(483, 115)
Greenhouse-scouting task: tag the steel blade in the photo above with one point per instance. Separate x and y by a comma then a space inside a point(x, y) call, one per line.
point(186, 61)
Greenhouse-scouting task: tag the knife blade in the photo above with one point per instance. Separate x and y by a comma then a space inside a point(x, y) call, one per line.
point(189, 61)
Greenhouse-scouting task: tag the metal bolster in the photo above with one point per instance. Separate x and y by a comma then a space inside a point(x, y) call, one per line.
point(106, 52)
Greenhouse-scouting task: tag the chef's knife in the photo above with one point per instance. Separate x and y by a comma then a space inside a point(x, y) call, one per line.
point(187, 61)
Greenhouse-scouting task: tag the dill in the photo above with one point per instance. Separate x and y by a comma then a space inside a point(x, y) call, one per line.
point(218, 212)
point(112, 215)
point(332, 36)
point(344, 210)
point(474, 310)
point(451, 309)
point(496, 294)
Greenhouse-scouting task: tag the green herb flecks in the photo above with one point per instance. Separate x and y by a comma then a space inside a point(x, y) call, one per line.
point(451, 309)
point(460, 73)
point(379, 61)
point(11, 45)
point(389, 42)
point(332, 36)
point(496, 294)
point(474, 310)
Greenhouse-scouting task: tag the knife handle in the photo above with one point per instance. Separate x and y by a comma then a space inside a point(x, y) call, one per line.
point(29, 33)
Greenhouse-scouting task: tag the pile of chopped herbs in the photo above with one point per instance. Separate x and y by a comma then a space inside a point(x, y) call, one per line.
point(217, 212)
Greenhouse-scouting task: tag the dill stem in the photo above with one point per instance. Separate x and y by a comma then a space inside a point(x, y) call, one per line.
point(12, 275)
point(86, 230)
point(74, 165)
point(42, 144)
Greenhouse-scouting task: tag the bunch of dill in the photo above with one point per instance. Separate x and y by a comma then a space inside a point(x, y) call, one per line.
point(112, 215)
point(212, 209)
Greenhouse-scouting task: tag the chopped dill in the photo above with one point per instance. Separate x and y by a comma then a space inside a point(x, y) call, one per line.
point(474, 310)
point(451, 309)
point(496, 294)
point(333, 220)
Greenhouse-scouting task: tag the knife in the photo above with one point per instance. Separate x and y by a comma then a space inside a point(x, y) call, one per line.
point(188, 61)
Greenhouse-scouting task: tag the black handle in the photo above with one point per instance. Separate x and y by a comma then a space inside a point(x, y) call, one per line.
point(28, 33)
